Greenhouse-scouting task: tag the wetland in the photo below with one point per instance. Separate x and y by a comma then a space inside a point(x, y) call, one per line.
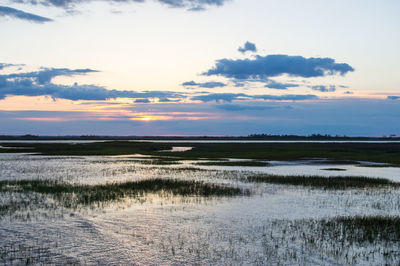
point(142, 202)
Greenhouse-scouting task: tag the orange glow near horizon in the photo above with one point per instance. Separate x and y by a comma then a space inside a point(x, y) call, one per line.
point(44, 119)
point(118, 109)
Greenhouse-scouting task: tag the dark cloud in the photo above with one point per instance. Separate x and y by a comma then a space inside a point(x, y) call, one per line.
point(263, 67)
point(280, 86)
point(145, 100)
point(18, 14)
point(220, 97)
point(45, 75)
point(323, 88)
point(3, 65)
point(287, 97)
point(192, 5)
point(208, 85)
point(348, 92)
point(168, 100)
point(157, 94)
point(248, 46)
point(393, 97)
point(239, 84)
point(238, 107)
point(39, 83)
point(196, 8)
point(229, 97)
point(75, 92)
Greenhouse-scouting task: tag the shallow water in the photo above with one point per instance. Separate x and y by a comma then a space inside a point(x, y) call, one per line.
point(309, 169)
point(255, 229)
point(178, 149)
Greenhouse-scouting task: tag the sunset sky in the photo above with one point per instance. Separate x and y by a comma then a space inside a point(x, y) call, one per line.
point(199, 67)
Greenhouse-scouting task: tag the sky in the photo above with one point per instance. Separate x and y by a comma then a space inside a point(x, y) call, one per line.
point(199, 67)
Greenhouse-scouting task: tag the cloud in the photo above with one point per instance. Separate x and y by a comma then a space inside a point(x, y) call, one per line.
point(75, 92)
point(348, 92)
point(393, 97)
point(351, 117)
point(39, 83)
point(168, 100)
point(191, 5)
point(263, 67)
point(238, 107)
point(45, 75)
point(323, 88)
point(145, 100)
point(4, 65)
point(239, 84)
point(280, 86)
point(248, 46)
point(208, 85)
point(287, 97)
point(220, 97)
point(18, 14)
point(229, 97)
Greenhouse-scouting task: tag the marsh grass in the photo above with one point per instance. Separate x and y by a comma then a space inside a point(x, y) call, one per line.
point(159, 162)
point(234, 163)
point(333, 169)
point(379, 165)
point(357, 239)
point(361, 229)
point(38, 254)
point(347, 153)
point(336, 162)
point(370, 240)
point(347, 240)
point(338, 183)
point(73, 195)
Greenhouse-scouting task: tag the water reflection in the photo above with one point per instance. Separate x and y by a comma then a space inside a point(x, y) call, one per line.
point(277, 224)
point(178, 149)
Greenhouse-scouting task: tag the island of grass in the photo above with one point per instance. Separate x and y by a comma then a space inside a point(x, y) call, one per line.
point(234, 163)
point(362, 228)
point(333, 183)
point(72, 195)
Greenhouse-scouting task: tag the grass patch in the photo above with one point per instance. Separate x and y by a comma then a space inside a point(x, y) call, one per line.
point(339, 183)
point(349, 240)
point(159, 162)
point(337, 162)
point(379, 165)
point(333, 169)
point(72, 195)
point(234, 163)
point(361, 229)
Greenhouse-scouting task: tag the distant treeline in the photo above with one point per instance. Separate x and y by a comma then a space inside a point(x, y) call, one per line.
point(318, 137)
point(249, 137)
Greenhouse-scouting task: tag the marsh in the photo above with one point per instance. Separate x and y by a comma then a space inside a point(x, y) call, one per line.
point(185, 207)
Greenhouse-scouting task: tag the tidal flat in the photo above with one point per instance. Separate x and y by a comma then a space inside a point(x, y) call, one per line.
point(122, 203)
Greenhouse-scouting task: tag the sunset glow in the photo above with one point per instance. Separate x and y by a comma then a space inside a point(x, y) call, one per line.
point(214, 74)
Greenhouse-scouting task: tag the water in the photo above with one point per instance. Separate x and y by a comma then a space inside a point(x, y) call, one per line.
point(178, 149)
point(255, 229)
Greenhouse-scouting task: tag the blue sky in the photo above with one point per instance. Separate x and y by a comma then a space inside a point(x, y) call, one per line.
point(199, 67)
